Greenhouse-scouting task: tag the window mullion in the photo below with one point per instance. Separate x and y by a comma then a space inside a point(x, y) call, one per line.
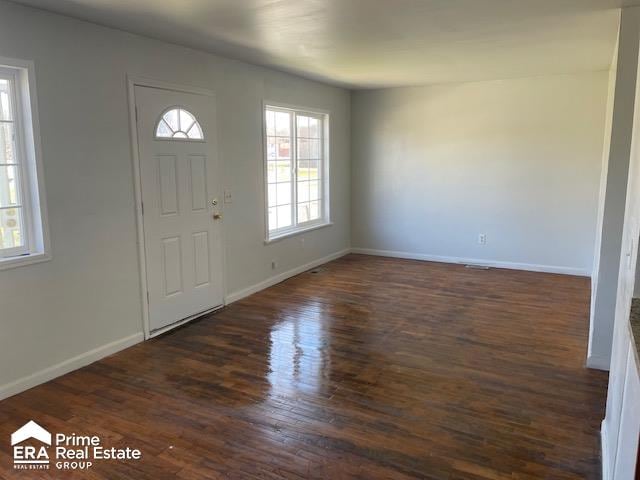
point(294, 170)
point(321, 170)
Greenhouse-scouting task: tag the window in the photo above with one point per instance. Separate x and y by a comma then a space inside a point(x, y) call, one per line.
point(22, 234)
point(177, 123)
point(296, 167)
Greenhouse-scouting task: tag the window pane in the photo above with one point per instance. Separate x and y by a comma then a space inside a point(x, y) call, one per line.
point(5, 104)
point(283, 148)
point(283, 193)
point(314, 149)
point(303, 125)
point(283, 124)
point(303, 170)
point(314, 127)
point(163, 130)
point(272, 219)
point(314, 169)
point(7, 143)
point(283, 173)
point(195, 132)
point(270, 120)
point(271, 148)
point(303, 212)
point(11, 228)
point(8, 186)
point(186, 120)
point(271, 171)
point(171, 117)
point(284, 216)
point(303, 149)
point(303, 192)
point(314, 190)
point(278, 148)
point(314, 210)
point(271, 195)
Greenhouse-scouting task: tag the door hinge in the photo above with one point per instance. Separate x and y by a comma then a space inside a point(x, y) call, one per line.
point(136, 108)
point(148, 298)
point(142, 208)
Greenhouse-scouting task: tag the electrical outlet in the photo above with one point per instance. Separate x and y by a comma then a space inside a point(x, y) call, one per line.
point(482, 239)
point(274, 264)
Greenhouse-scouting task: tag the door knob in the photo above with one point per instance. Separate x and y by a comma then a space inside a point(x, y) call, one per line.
point(217, 216)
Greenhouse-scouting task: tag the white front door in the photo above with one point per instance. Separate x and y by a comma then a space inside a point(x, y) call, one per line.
point(180, 184)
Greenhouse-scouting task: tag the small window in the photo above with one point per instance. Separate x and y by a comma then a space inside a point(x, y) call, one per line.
point(22, 230)
point(296, 170)
point(177, 123)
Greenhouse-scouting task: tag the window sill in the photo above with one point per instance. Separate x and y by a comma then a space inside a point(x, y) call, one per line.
point(23, 260)
point(296, 232)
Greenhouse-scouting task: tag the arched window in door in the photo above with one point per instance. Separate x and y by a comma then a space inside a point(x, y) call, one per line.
point(178, 123)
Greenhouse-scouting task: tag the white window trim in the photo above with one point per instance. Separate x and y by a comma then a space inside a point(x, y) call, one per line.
point(325, 219)
point(30, 149)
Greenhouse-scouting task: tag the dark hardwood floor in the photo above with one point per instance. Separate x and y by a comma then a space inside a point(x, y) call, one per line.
point(369, 368)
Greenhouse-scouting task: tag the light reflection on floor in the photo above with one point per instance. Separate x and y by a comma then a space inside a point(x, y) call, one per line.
point(298, 352)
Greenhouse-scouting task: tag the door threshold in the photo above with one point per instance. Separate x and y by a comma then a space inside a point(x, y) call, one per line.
point(171, 326)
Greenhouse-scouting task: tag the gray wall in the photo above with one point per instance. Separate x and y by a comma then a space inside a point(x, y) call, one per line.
point(518, 160)
point(89, 294)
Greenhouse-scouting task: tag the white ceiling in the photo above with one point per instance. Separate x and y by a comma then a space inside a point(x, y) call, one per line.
point(376, 43)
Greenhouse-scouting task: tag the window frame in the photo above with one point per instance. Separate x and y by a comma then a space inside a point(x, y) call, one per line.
point(325, 180)
point(30, 170)
point(22, 193)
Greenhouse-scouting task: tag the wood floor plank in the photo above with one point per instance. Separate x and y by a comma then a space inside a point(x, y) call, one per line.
point(366, 367)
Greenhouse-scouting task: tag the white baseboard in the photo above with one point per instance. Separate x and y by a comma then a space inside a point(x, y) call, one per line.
point(461, 260)
point(67, 366)
point(598, 362)
point(605, 454)
point(281, 277)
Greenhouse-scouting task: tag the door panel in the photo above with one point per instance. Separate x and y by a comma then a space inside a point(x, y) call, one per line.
point(179, 182)
point(172, 266)
point(168, 184)
point(201, 256)
point(198, 165)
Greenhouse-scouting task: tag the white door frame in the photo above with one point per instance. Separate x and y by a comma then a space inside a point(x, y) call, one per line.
point(132, 82)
